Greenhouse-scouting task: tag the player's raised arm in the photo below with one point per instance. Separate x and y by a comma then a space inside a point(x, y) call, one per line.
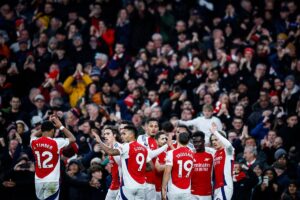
point(57, 123)
point(35, 133)
point(106, 149)
point(224, 141)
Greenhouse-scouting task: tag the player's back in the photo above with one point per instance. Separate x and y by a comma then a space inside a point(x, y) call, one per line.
point(203, 165)
point(134, 157)
point(181, 160)
point(46, 153)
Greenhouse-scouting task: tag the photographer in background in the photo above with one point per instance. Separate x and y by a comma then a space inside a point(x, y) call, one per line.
point(19, 182)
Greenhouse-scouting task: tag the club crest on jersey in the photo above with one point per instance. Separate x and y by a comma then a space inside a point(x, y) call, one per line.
point(206, 159)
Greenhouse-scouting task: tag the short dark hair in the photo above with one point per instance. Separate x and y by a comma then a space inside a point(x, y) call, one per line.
point(186, 128)
point(199, 134)
point(158, 134)
point(95, 168)
point(183, 138)
point(47, 126)
point(132, 129)
point(167, 126)
point(126, 122)
point(238, 118)
point(151, 119)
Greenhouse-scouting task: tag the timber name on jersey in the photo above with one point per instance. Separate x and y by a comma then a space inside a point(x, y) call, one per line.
point(181, 160)
point(47, 160)
point(133, 158)
point(115, 169)
point(203, 166)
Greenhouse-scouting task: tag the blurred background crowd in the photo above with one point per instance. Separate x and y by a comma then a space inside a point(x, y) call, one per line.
point(98, 62)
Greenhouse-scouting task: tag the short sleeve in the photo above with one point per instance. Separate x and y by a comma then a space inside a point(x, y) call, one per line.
point(124, 149)
point(62, 142)
point(169, 158)
point(210, 150)
point(119, 148)
point(140, 139)
point(32, 139)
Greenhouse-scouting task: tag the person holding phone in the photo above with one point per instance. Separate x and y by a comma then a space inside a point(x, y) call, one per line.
point(268, 189)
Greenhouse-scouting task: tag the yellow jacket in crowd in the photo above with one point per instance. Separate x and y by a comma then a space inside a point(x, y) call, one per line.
point(77, 91)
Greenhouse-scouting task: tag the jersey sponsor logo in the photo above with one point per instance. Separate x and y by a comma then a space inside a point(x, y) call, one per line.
point(217, 160)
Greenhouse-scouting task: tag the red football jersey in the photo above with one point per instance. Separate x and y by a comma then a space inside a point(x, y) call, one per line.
point(115, 169)
point(223, 167)
point(134, 157)
point(115, 178)
point(149, 143)
point(46, 152)
point(203, 166)
point(181, 160)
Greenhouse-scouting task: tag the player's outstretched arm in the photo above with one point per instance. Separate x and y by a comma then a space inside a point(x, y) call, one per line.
point(57, 123)
point(106, 149)
point(156, 152)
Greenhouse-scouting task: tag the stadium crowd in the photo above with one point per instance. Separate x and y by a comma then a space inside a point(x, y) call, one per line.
point(93, 63)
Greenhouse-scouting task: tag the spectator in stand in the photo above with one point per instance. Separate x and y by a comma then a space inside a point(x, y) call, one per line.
point(268, 188)
point(290, 94)
point(244, 180)
point(291, 192)
point(288, 132)
point(251, 159)
point(77, 91)
point(204, 123)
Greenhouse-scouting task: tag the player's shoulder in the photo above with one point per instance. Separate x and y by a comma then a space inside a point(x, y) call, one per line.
point(58, 139)
point(117, 145)
point(170, 152)
point(142, 137)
